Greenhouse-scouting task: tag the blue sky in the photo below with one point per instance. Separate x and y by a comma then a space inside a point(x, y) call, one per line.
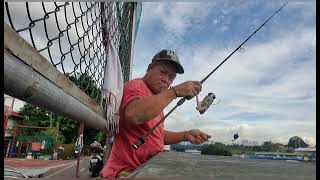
point(267, 92)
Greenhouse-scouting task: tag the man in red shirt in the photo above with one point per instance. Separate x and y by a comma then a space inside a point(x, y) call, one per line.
point(142, 107)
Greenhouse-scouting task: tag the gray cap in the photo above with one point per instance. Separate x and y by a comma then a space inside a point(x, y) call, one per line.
point(168, 55)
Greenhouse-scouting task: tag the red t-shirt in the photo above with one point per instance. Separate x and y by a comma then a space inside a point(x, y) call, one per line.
point(123, 156)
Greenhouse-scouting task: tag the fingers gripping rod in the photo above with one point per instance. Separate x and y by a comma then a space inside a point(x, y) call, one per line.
point(142, 139)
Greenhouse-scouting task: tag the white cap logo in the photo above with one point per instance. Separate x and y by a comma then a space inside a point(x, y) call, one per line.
point(171, 54)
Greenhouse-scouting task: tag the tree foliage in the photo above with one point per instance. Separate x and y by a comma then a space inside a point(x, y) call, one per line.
point(69, 129)
point(36, 116)
point(215, 149)
point(87, 83)
point(296, 142)
point(180, 147)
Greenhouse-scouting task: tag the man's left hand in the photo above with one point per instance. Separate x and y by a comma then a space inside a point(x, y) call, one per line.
point(195, 136)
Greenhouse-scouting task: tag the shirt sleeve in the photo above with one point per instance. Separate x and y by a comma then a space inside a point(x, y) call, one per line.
point(132, 90)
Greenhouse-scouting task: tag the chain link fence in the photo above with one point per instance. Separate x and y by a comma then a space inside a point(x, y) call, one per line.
point(73, 36)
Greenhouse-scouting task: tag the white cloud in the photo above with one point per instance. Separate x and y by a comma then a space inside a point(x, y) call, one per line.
point(274, 59)
point(176, 17)
point(275, 76)
point(222, 131)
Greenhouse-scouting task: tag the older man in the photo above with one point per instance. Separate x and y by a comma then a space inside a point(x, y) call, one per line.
point(142, 107)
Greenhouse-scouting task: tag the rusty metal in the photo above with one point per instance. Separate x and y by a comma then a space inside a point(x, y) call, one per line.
point(108, 145)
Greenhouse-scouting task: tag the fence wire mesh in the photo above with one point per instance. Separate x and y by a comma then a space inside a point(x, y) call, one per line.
point(73, 36)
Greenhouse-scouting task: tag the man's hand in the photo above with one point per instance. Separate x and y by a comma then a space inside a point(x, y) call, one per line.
point(195, 136)
point(188, 89)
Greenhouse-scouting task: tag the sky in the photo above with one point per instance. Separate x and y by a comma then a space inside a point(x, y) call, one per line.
point(267, 92)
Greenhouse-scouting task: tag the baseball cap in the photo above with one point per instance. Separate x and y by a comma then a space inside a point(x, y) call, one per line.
point(168, 55)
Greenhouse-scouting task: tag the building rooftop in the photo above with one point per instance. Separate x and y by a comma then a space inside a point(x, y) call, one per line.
point(195, 166)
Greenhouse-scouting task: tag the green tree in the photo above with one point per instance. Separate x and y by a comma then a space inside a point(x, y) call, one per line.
point(215, 149)
point(296, 142)
point(57, 137)
point(88, 84)
point(69, 129)
point(36, 116)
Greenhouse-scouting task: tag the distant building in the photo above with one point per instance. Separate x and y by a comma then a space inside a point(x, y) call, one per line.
point(193, 151)
point(278, 146)
point(11, 113)
point(11, 117)
point(166, 148)
point(306, 150)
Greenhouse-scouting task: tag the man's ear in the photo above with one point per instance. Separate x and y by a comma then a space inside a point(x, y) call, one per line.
point(149, 68)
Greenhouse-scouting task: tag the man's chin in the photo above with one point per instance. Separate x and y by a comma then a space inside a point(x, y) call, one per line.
point(159, 90)
point(163, 89)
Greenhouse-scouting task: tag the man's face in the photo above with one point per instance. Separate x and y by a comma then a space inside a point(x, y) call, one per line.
point(160, 76)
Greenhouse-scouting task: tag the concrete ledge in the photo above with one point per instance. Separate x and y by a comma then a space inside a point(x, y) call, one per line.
point(195, 166)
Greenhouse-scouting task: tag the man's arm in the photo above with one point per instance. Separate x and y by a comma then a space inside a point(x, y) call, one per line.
point(194, 136)
point(173, 137)
point(142, 110)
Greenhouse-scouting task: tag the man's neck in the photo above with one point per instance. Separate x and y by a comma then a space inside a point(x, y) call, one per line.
point(144, 79)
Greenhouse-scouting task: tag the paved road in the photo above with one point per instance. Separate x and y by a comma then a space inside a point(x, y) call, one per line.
point(49, 168)
point(69, 170)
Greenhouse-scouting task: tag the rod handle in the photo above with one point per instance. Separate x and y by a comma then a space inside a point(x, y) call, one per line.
point(139, 141)
point(181, 101)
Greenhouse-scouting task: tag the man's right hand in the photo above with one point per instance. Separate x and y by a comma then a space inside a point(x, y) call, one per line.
point(188, 89)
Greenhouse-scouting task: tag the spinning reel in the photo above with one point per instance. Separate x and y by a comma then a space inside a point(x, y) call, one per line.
point(204, 105)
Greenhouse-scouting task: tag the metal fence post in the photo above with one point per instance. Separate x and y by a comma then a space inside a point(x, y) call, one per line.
point(79, 152)
point(108, 146)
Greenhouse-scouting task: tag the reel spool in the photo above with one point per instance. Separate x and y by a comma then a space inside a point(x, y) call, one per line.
point(204, 105)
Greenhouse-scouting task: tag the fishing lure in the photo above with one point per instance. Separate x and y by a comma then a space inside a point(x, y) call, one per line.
point(235, 136)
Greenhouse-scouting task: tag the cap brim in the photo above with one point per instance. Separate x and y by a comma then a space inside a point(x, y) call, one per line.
point(179, 68)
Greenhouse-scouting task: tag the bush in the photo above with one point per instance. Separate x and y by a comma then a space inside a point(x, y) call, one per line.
point(68, 152)
point(218, 149)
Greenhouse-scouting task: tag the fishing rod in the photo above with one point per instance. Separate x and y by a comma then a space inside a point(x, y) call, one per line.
point(142, 139)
